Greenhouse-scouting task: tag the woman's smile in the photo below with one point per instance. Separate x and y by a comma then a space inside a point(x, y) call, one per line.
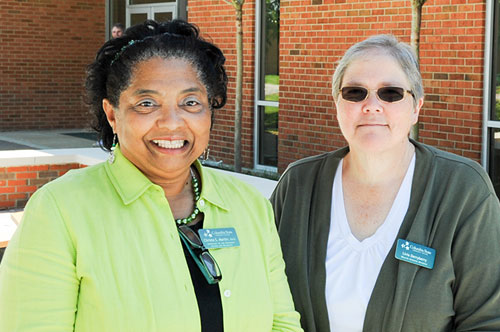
point(170, 144)
point(164, 118)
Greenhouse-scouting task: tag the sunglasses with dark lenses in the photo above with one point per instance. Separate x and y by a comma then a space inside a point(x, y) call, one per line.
point(388, 94)
point(205, 261)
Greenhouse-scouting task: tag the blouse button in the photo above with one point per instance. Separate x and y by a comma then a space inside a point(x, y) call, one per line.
point(227, 293)
point(201, 202)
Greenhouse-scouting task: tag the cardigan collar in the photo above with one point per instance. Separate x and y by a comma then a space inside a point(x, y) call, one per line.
point(392, 272)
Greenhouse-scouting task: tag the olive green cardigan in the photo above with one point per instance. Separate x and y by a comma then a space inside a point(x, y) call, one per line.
point(453, 209)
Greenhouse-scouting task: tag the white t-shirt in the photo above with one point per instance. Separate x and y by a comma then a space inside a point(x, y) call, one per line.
point(352, 267)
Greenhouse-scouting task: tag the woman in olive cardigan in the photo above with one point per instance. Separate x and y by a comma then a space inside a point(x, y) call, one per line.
point(451, 208)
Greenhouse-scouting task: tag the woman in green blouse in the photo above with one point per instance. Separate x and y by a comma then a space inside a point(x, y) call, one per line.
point(149, 240)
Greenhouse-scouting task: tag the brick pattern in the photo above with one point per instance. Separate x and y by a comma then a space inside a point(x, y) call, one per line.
point(18, 183)
point(315, 34)
point(452, 54)
point(217, 22)
point(45, 47)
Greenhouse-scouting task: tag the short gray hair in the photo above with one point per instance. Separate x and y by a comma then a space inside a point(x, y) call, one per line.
point(382, 44)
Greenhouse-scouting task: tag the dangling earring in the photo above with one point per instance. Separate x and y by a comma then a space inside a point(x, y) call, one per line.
point(111, 158)
point(206, 154)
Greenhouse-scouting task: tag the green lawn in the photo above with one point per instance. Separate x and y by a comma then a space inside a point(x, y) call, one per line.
point(273, 79)
point(497, 107)
point(271, 119)
point(273, 97)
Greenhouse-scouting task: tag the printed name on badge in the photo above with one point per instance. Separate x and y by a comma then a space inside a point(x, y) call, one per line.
point(415, 253)
point(214, 238)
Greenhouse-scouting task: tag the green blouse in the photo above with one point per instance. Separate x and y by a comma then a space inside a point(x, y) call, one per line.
point(98, 250)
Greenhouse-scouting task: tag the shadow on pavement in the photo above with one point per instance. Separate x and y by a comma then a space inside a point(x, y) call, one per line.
point(4, 145)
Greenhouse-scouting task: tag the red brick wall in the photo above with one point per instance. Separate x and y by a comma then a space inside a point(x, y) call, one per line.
point(216, 20)
point(42, 75)
point(315, 34)
point(44, 49)
point(452, 53)
point(17, 184)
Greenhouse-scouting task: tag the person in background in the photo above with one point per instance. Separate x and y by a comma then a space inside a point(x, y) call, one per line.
point(388, 234)
point(149, 240)
point(117, 30)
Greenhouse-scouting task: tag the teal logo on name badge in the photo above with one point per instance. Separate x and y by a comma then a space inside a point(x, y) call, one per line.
point(415, 253)
point(214, 238)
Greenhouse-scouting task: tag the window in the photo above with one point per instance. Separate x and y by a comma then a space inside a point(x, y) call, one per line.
point(139, 11)
point(147, 2)
point(493, 118)
point(131, 12)
point(267, 84)
point(159, 12)
point(116, 14)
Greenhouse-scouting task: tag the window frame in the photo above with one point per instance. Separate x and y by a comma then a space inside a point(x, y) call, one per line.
point(488, 83)
point(490, 70)
point(150, 10)
point(258, 101)
point(180, 11)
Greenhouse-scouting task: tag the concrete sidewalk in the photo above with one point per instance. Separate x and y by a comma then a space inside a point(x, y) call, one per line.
point(47, 139)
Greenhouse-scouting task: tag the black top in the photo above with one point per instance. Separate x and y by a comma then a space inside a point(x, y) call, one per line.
point(208, 296)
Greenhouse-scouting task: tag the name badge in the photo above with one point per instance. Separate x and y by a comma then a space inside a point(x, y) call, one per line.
point(415, 253)
point(214, 238)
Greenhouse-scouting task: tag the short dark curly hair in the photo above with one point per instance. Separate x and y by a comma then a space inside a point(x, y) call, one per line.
point(109, 75)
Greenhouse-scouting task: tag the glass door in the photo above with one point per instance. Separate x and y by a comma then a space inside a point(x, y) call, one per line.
point(164, 12)
point(138, 13)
